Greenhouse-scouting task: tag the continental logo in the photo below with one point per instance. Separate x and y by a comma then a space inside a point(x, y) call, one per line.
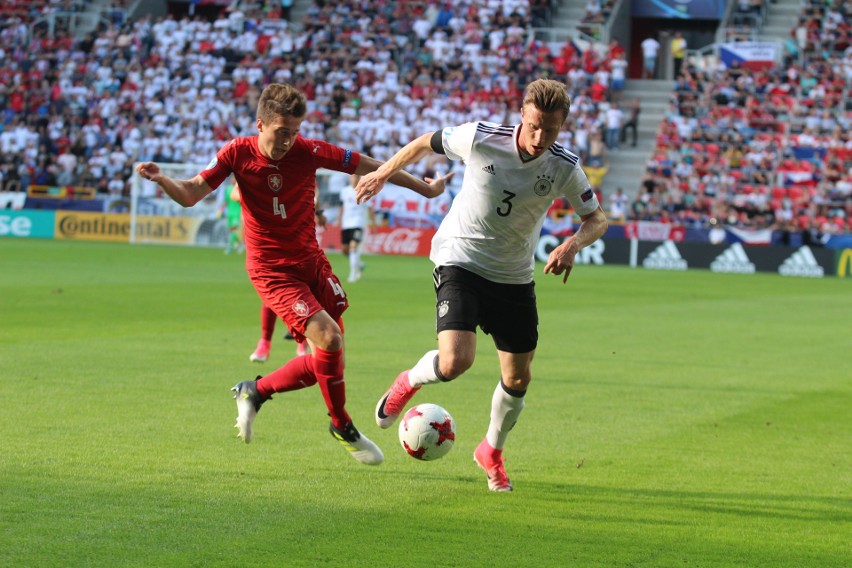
point(844, 263)
point(116, 227)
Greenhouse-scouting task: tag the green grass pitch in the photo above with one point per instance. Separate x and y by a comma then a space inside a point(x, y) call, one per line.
point(674, 420)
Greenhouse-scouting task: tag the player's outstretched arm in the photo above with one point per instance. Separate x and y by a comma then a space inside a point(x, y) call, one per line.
point(561, 260)
point(375, 174)
point(184, 192)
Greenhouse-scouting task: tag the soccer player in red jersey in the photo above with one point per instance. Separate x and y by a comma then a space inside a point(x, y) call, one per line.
point(276, 172)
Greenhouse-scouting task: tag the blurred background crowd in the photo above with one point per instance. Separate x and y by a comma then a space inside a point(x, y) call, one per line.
point(751, 148)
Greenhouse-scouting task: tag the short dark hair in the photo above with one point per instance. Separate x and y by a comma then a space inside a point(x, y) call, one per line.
point(280, 99)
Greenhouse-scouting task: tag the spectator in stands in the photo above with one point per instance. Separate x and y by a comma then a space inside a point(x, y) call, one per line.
point(632, 122)
point(286, 7)
point(116, 185)
point(614, 117)
point(618, 70)
point(597, 148)
point(541, 12)
point(120, 85)
point(650, 48)
point(717, 234)
point(617, 209)
point(596, 172)
point(678, 51)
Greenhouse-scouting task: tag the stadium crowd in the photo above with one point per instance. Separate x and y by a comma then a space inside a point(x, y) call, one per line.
point(81, 112)
point(761, 148)
point(379, 73)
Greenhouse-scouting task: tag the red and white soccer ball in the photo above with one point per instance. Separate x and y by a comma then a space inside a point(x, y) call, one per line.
point(427, 432)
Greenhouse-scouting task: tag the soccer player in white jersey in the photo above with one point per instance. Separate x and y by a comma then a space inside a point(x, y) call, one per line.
point(354, 217)
point(484, 253)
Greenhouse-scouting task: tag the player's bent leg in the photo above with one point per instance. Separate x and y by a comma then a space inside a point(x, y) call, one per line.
point(456, 353)
point(249, 402)
point(491, 461)
point(393, 402)
point(359, 446)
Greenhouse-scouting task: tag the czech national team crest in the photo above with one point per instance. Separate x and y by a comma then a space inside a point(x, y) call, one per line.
point(275, 182)
point(543, 185)
point(300, 308)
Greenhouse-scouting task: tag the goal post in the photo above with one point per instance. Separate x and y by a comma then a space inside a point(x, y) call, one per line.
point(156, 219)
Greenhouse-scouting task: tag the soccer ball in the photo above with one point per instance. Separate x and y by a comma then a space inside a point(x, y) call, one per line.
point(427, 432)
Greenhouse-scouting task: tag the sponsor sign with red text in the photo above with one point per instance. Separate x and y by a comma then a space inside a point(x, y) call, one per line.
point(653, 231)
point(399, 240)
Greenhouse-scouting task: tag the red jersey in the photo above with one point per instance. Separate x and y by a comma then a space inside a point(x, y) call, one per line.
point(278, 196)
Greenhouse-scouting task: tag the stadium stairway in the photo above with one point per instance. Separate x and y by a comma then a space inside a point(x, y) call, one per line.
point(298, 12)
point(627, 164)
point(568, 16)
point(781, 18)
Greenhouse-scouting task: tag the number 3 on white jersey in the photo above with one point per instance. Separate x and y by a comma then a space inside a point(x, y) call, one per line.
point(278, 208)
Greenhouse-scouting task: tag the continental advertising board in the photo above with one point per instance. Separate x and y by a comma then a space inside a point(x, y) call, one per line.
point(116, 227)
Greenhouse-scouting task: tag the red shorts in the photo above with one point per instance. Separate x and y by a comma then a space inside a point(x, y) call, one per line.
point(297, 292)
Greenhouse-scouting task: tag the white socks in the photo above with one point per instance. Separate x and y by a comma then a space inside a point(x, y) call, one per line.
point(355, 261)
point(505, 410)
point(423, 373)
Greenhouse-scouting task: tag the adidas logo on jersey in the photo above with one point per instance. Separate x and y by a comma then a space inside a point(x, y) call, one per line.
point(733, 259)
point(665, 257)
point(802, 263)
point(489, 169)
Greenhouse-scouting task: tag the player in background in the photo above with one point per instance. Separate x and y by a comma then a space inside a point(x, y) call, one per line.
point(234, 218)
point(268, 319)
point(354, 218)
point(276, 172)
point(484, 253)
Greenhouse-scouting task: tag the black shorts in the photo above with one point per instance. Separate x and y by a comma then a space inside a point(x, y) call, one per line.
point(506, 312)
point(349, 235)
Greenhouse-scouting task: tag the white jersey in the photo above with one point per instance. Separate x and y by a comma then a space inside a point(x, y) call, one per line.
point(495, 221)
point(353, 215)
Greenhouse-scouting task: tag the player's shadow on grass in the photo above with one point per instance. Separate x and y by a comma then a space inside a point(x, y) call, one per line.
point(756, 505)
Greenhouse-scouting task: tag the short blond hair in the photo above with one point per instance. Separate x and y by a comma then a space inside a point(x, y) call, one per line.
point(548, 96)
point(280, 99)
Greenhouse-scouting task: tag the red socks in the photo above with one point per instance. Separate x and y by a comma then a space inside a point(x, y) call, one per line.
point(328, 368)
point(323, 367)
point(297, 374)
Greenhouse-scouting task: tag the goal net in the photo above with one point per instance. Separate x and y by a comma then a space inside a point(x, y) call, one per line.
point(156, 219)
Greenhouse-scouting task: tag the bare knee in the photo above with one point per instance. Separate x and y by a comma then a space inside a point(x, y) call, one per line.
point(518, 382)
point(451, 365)
point(326, 335)
point(329, 340)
